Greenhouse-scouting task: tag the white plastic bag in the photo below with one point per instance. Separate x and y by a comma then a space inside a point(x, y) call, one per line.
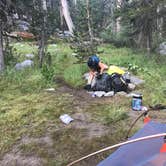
point(66, 119)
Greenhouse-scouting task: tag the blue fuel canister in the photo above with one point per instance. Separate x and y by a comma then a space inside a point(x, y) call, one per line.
point(137, 102)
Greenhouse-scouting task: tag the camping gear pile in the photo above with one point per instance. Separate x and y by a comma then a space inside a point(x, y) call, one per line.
point(114, 82)
point(114, 79)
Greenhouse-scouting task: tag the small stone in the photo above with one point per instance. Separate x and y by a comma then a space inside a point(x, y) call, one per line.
point(24, 64)
point(121, 93)
point(162, 46)
point(162, 52)
point(131, 86)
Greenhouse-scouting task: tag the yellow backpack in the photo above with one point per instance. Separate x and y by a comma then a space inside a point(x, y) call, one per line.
point(115, 69)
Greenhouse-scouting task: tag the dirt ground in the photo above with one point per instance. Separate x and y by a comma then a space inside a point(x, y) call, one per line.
point(91, 135)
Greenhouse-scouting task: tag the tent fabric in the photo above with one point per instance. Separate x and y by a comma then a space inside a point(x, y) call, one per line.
point(144, 153)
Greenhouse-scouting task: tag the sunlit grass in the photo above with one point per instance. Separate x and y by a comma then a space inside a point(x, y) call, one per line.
point(73, 75)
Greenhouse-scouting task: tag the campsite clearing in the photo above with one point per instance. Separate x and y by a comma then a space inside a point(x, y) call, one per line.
point(30, 129)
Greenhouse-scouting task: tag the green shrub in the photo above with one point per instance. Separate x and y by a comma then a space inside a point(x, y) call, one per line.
point(8, 56)
point(47, 72)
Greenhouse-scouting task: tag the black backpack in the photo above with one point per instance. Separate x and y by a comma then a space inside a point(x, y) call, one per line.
point(103, 83)
point(118, 83)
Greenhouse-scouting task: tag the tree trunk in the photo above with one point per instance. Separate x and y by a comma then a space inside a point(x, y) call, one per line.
point(66, 14)
point(43, 34)
point(75, 2)
point(2, 65)
point(118, 20)
point(89, 22)
point(164, 27)
point(148, 45)
point(41, 48)
point(61, 18)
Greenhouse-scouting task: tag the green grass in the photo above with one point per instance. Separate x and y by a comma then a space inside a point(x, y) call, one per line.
point(30, 113)
point(151, 69)
point(113, 112)
point(21, 49)
point(73, 75)
point(26, 109)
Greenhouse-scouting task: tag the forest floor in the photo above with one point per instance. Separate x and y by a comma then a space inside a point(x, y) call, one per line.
point(31, 133)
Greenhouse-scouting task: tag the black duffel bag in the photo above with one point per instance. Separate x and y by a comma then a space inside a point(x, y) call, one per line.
point(118, 83)
point(103, 83)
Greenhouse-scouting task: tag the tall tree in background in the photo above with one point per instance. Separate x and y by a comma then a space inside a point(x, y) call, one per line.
point(7, 8)
point(89, 21)
point(42, 34)
point(66, 14)
point(2, 65)
point(142, 18)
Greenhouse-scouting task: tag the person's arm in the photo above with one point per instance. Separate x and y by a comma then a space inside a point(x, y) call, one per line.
point(91, 77)
point(102, 67)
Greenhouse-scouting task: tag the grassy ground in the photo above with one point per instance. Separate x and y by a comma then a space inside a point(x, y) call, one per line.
point(29, 116)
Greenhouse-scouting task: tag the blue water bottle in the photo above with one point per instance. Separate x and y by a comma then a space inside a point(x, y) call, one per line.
point(137, 102)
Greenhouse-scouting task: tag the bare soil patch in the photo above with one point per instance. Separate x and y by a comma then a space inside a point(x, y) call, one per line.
point(69, 142)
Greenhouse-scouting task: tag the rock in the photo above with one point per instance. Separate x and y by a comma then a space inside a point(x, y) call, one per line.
point(135, 80)
point(24, 64)
point(162, 52)
point(121, 93)
point(29, 56)
point(18, 66)
point(131, 86)
point(27, 63)
point(162, 48)
point(23, 25)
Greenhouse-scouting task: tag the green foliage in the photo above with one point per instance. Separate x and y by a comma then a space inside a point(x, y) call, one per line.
point(73, 75)
point(27, 81)
point(100, 14)
point(8, 56)
point(20, 49)
point(83, 49)
point(119, 39)
point(141, 20)
point(134, 68)
point(47, 72)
